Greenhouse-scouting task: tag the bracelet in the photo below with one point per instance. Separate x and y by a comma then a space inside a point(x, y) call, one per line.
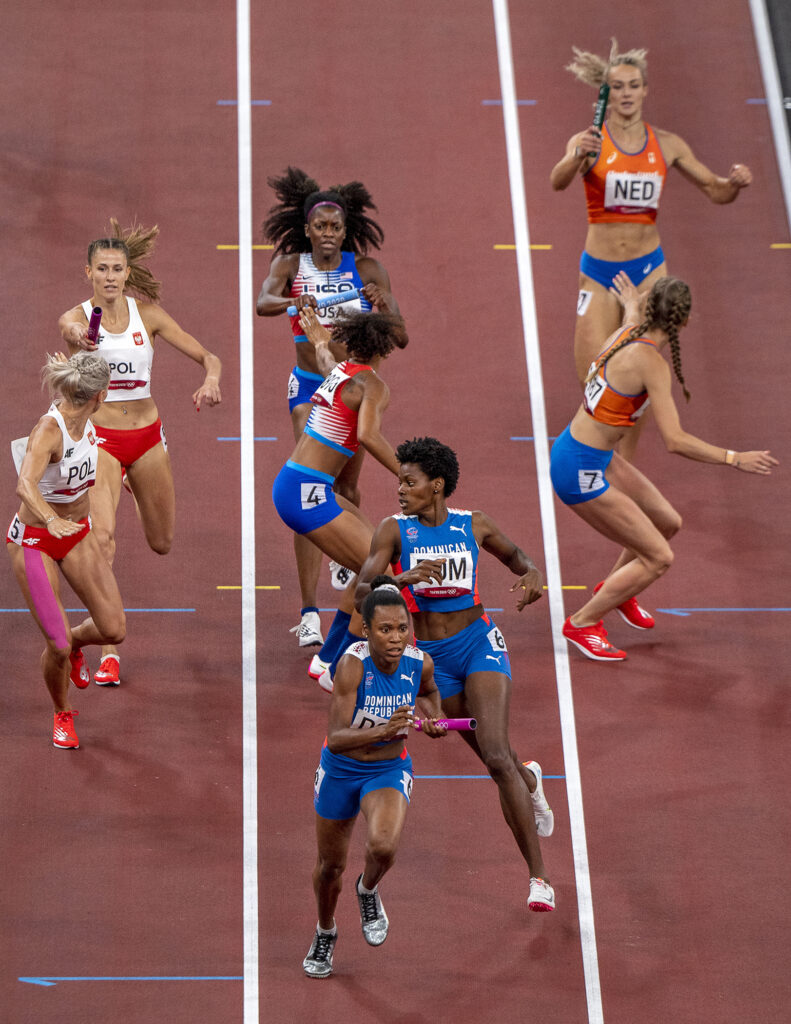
point(49, 519)
point(729, 457)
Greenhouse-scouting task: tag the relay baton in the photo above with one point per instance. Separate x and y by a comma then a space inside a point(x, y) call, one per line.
point(93, 326)
point(600, 108)
point(459, 724)
point(330, 300)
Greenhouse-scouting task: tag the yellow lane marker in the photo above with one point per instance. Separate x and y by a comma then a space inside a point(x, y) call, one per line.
point(514, 247)
point(257, 588)
point(780, 245)
point(564, 587)
point(236, 247)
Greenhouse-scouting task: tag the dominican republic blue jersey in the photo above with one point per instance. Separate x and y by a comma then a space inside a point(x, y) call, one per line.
point(312, 281)
point(380, 694)
point(455, 542)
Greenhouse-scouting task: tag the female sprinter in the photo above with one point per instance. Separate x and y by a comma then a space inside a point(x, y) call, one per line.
point(346, 412)
point(52, 530)
point(321, 243)
point(365, 765)
point(623, 172)
point(130, 432)
point(434, 552)
point(607, 491)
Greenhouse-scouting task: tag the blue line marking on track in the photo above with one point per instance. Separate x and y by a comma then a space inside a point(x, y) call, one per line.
point(757, 100)
point(239, 439)
point(50, 980)
point(686, 612)
point(499, 103)
point(550, 437)
point(253, 103)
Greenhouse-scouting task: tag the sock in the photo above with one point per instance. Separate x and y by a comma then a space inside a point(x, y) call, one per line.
point(335, 636)
point(362, 890)
point(327, 931)
point(310, 608)
point(348, 640)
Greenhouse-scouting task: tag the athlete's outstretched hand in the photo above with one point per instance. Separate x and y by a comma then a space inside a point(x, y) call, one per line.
point(755, 462)
point(532, 586)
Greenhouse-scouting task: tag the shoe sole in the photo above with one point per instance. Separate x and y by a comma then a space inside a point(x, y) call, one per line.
point(539, 908)
point(634, 624)
point(315, 642)
point(107, 682)
point(548, 824)
point(594, 657)
point(66, 746)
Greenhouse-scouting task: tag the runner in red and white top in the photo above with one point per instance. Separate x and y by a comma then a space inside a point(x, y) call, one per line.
point(51, 532)
point(131, 436)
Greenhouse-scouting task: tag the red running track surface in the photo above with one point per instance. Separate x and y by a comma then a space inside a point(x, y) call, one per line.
point(124, 860)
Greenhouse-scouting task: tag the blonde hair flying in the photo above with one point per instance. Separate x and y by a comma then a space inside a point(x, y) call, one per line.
point(592, 69)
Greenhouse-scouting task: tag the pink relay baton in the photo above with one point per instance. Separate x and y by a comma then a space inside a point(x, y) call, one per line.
point(459, 724)
point(330, 300)
point(93, 324)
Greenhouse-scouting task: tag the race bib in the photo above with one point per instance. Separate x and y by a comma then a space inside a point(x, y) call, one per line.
point(627, 192)
point(496, 640)
point(594, 389)
point(312, 495)
point(325, 393)
point(590, 480)
point(583, 301)
point(457, 574)
point(318, 779)
point(293, 386)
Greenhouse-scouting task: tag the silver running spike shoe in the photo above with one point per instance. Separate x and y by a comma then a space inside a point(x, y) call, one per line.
point(318, 962)
point(372, 916)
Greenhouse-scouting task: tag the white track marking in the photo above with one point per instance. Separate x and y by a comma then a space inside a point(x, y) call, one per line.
point(247, 499)
point(541, 446)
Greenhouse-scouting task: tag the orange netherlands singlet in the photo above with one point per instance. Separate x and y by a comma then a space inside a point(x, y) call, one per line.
point(606, 405)
point(622, 186)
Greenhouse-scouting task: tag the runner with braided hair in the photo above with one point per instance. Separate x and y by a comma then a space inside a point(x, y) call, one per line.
point(132, 451)
point(322, 239)
point(623, 170)
point(605, 490)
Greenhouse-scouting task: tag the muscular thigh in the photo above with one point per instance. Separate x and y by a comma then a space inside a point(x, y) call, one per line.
point(41, 591)
point(151, 480)
point(598, 316)
point(92, 580)
point(619, 518)
point(105, 492)
point(647, 496)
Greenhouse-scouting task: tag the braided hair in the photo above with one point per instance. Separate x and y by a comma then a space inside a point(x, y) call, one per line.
point(298, 194)
point(137, 244)
point(668, 307)
point(592, 70)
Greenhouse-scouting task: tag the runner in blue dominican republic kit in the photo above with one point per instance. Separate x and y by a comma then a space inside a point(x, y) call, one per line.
point(321, 241)
point(365, 765)
point(433, 551)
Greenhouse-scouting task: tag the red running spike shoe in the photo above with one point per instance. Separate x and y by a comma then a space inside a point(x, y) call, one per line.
point(78, 672)
point(631, 612)
point(592, 641)
point(108, 673)
point(63, 734)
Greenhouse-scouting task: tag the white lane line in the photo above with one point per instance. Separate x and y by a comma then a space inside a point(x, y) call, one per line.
point(247, 498)
point(774, 98)
point(551, 555)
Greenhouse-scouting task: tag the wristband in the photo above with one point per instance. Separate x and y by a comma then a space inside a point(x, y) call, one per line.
point(729, 457)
